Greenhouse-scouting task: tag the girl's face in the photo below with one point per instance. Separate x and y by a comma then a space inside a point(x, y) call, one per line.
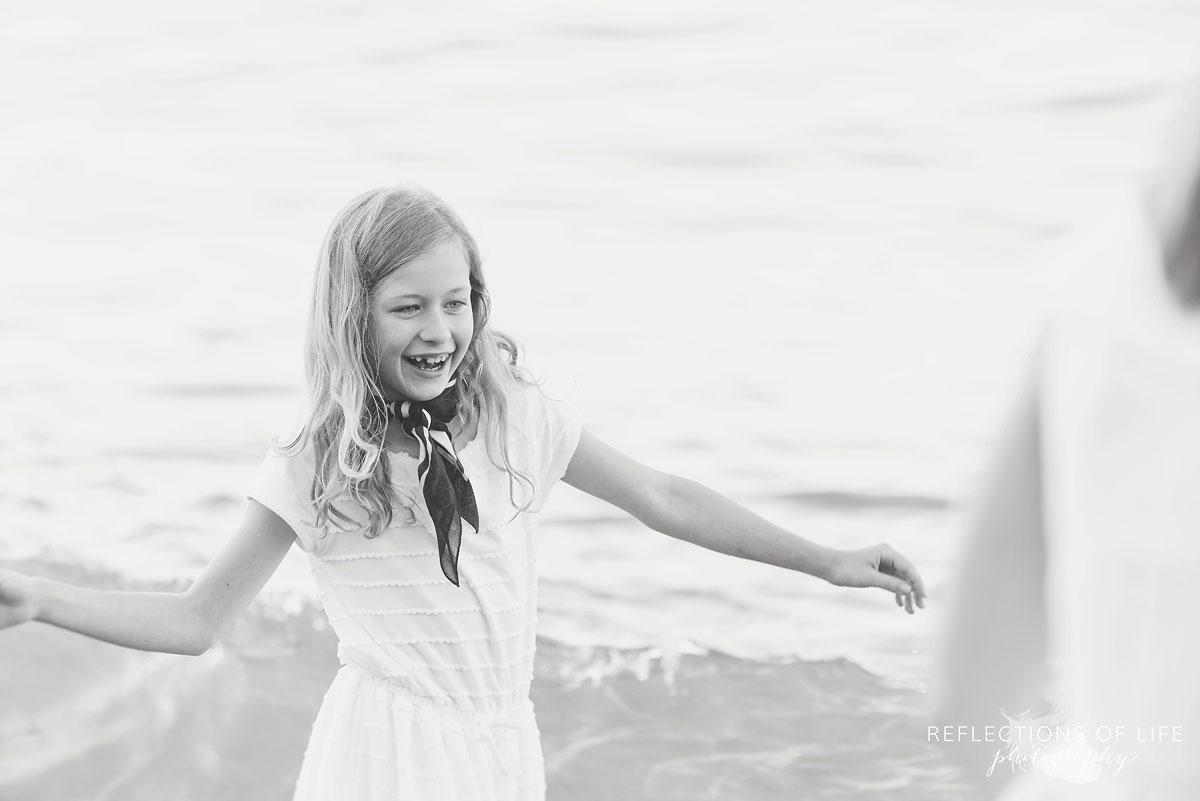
point(423, 323)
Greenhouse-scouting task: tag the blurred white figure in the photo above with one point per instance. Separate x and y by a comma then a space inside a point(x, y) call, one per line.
point(1076, 592)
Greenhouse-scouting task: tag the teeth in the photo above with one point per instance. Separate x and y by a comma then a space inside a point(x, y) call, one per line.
point(430, 363)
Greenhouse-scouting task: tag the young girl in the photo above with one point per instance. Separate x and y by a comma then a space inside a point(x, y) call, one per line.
point(414, 488)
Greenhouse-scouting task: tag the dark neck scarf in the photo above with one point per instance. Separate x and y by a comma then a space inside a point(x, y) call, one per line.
point(448, 494)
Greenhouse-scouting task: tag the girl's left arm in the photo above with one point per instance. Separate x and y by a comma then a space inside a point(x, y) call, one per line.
point(688, 510)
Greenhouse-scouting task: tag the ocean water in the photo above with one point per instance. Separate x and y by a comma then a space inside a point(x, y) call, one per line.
point(798, 254)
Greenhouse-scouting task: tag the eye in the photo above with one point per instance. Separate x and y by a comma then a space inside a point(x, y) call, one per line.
point(406, 309)
point(458, 305)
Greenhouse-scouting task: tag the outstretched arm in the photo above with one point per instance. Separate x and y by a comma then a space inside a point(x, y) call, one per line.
point(688, 510)
point(178, 623)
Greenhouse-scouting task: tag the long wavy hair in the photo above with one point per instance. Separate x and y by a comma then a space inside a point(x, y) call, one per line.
point(1174, 199)
point(378, 233)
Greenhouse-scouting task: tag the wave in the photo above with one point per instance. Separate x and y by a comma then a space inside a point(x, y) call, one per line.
point(85, 719)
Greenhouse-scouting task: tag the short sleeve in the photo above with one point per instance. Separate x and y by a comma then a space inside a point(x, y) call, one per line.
point(555, 428)
point(282, 484)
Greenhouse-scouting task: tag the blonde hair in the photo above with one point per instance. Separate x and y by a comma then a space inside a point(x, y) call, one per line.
point(378, 233)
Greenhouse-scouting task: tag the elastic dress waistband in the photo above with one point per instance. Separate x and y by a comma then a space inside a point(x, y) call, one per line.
point(509, 721)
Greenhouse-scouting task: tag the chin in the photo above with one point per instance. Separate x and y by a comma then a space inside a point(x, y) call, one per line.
point(405, 389)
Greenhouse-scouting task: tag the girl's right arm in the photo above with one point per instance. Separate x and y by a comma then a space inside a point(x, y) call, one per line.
point(180, 623)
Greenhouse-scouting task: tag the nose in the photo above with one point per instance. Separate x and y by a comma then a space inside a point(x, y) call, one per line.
point(435, 329)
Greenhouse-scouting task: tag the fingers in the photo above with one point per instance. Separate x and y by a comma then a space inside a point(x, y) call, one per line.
point(905, 601)
point(900, 577)
point(905, 570)
point(890, 583)
point(882, 566)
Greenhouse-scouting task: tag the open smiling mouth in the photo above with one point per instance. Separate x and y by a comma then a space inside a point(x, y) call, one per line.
point(429, 364)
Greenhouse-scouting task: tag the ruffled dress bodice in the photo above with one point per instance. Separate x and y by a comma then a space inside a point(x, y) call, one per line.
point(394, 612)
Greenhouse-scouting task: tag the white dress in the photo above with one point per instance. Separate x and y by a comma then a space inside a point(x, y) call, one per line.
point(1119, 410)
point(432, 700)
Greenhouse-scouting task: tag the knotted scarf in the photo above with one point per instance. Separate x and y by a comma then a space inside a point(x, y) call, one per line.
point(444, 485)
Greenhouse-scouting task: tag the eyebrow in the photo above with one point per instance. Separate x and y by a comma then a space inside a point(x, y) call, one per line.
point(419, 296)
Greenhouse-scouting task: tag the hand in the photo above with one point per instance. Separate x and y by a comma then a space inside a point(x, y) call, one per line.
point(17, 603)
point(879, 566)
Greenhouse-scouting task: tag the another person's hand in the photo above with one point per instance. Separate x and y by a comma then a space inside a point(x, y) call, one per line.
point(879, 566)
point(17, 603)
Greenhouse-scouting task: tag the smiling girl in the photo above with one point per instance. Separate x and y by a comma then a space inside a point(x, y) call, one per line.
point(414, 488)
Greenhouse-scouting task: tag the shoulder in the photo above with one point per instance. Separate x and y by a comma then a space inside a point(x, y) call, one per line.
point(289, 450)
point(523, 394)
point(283, 484)
point(542, 412)
point(286, 471)
point(545, 430)
point(290, 459)
point(539, 400)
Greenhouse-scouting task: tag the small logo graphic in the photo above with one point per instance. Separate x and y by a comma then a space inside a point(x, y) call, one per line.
point(1043, 743)
point(1046, 744)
